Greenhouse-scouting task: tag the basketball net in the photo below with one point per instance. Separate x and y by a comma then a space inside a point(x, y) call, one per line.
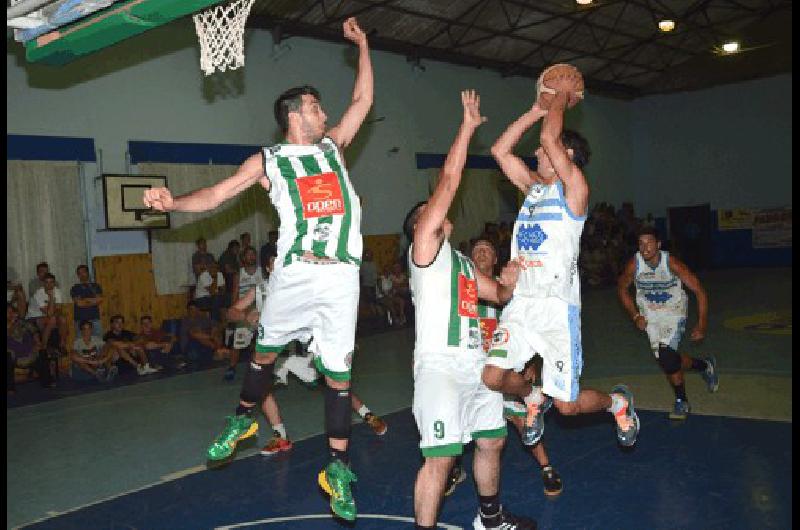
point(220, 31)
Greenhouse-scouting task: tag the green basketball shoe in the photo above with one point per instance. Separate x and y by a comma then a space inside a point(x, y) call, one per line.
point(236, 428)
point(335, 479)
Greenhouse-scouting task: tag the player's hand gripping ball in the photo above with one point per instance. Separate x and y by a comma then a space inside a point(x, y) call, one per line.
point(559, 78)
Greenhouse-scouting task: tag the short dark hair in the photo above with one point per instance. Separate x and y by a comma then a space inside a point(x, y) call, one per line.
point(579, 145)
point(145, 317)
point(241, 236)
point(84, 323)
point(117, 317)
point(233, 243)
point(79, 267)
point(199, 239)
point(483, 239)
point(411, 219)
point(191, 303)
point(290, 101)
point(42, 264)
point(649, 231)
point(49, 275)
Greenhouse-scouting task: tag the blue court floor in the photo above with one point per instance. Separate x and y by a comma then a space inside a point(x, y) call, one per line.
point(708, 472)
point(132, 456)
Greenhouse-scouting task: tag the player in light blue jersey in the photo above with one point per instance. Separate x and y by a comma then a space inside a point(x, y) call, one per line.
point(544, 314)
point(660, 310)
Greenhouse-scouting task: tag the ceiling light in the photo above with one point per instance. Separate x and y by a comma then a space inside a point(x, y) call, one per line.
point(666, 25)
point(584, 2)
point(731, 47)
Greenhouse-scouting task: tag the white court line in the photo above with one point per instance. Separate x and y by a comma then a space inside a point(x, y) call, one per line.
point(328, 516)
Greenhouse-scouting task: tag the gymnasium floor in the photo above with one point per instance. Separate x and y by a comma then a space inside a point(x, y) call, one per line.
point(132, 456)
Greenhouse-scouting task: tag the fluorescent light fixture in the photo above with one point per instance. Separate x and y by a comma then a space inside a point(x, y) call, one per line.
point(731, 47)
point(584, 2)
point(666, 25)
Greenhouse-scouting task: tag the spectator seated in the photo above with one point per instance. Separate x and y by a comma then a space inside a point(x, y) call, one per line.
point(24, 351)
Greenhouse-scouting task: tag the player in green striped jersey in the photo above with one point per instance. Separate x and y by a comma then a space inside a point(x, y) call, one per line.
point(314, 290)
point(451, 404)
point(484, 254)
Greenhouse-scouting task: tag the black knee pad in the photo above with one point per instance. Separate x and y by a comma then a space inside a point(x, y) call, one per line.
point(669, 359)
point(337, 413)
point(257, 382)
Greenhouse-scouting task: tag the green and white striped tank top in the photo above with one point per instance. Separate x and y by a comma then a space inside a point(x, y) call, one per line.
point(319, 210)
point(445, 296)
point(488, 316)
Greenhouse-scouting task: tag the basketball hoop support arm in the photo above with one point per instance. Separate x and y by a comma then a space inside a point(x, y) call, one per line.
point(26, 7)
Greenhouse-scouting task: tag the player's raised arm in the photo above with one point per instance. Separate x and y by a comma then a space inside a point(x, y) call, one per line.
point(513, 166)
point(576, 189)
point(344, 132)
point(428, 234)
point(250, 172)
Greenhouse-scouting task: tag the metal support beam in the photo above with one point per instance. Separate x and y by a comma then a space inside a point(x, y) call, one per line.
point(291, 28)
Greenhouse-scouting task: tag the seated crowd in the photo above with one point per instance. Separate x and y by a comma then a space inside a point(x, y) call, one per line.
point(37, 328)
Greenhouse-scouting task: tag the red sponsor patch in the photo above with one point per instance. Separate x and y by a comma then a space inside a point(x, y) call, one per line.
point(467, 297)
point(527, 263)
point(488, 327)
point(321, 195)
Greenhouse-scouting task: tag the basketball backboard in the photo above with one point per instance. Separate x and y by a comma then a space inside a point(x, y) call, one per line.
point(124, 205)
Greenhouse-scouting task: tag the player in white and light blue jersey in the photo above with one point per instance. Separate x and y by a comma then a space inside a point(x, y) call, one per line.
point(660, 310)
point(544, 315)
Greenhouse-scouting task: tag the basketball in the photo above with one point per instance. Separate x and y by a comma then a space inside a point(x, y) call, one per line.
point(559, 78)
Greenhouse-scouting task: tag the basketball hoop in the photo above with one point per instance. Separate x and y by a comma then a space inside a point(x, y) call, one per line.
point(220, 31)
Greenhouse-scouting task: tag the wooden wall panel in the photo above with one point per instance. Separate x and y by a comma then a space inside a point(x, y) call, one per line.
point(384, 249)
point(129, 286)
point(129, 289)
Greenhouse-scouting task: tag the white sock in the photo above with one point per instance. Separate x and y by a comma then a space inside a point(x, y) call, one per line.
point(536, 397)
point(363, 411)
point(280, 429)
point(617, 403)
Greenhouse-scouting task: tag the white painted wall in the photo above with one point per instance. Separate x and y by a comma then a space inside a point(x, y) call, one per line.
point(151, 88)
point(730, 146)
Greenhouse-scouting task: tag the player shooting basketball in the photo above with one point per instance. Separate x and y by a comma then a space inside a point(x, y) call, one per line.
point(544, 314)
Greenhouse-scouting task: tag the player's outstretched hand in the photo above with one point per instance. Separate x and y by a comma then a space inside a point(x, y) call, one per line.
point(158, 199)
point(235, 314)
point(472, 108)
point(510, 274)
point(698, 334)
point(353, 32)
point(641, 322)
